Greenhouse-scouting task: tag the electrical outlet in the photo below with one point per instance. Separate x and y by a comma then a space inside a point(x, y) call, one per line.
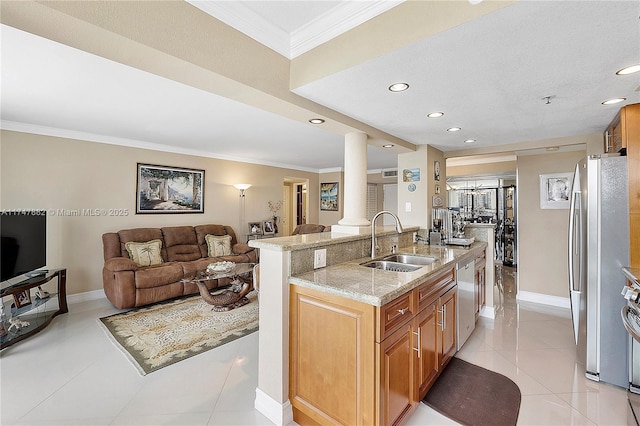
point(407, 207)
point(319, 258)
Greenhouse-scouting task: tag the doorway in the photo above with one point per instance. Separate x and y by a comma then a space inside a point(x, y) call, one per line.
point(295, 204)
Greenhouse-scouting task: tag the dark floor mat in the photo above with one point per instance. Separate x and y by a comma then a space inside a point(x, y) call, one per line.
point(473, 395)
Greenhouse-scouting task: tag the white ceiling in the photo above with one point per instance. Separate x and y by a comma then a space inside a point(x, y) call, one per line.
point(489, 77)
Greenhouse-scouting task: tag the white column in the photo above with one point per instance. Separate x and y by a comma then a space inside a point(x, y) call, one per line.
point(355, 182)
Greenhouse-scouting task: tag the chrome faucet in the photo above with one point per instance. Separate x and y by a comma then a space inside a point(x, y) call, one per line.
point(374, 245)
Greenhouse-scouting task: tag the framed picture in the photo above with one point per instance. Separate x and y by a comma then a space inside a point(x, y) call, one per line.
point(268, 227)
point(329, 196)
point(555, 190)
point(437, 189)
point(436, 171)
point(255, 228)
point(164, 189)
point(411, 175)
point(22, 299)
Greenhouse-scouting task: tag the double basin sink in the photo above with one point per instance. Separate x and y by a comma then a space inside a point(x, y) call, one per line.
point(400, 262)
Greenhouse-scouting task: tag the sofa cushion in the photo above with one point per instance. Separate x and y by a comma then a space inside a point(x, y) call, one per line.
point(218, 246)
point(145, 254)
point(139, 235)
point(219, 230)
point(155, 276)
point(181, 243)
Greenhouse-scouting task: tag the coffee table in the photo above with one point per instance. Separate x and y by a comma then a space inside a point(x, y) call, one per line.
point(228, 299)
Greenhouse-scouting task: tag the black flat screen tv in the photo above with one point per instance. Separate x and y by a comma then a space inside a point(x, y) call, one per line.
point(23, 242)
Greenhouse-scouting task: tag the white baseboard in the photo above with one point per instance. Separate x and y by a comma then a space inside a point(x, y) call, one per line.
point(86, 296)
point(488, 312)
point(543, 299)
point(280, 414)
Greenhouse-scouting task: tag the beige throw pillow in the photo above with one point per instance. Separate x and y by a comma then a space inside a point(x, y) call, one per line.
point(218, 246)
point(145, 254)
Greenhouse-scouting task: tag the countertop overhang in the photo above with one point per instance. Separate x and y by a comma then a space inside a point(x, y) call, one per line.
point(378, 287)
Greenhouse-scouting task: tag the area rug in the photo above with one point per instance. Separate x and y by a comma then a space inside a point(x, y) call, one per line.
point(156, 336)
point(473, 395)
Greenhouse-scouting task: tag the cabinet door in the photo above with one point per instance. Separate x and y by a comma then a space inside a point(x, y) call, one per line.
point(331, 359)
point(397, 394)
point(615, 135)
point(426, 337)
point(447, 323)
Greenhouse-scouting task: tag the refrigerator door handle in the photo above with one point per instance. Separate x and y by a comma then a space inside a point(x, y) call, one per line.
point(574, 247)
point(575, 240)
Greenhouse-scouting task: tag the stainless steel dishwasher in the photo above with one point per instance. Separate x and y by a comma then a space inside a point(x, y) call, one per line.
point(466, 316)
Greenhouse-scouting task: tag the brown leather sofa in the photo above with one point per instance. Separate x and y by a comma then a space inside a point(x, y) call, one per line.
point(184, 253)
point(310, 228)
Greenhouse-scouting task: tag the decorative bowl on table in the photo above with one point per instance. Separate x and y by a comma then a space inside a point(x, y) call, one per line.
point(216, 267)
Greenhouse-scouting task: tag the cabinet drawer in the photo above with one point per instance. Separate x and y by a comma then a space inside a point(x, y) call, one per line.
point(430, 290)
point(394, 314)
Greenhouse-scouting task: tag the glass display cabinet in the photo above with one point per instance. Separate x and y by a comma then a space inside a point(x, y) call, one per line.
point(506, 248)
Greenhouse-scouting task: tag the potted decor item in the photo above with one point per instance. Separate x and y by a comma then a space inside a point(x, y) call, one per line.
point(274, 208)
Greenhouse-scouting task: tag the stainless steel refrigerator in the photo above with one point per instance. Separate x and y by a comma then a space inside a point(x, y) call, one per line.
point(598, 249)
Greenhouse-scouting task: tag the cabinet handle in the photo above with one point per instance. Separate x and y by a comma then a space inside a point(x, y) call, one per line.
point(443, 311)
point(403, 311)
point(419, 342)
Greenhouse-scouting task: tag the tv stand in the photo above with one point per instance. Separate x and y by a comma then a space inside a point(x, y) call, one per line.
point(42, 317)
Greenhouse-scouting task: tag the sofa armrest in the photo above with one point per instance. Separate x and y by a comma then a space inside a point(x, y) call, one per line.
point(116, 264)
point(241, 248)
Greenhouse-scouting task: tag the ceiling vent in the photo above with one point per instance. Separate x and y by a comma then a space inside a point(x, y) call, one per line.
point(390, 173)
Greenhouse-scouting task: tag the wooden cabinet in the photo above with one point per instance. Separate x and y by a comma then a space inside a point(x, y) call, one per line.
point(447, 323)
point(623, 129)
point(332, 359)
point(631, 135)
point(357, 364)
point(428, 364)
point(397, 376)
point(613, 140)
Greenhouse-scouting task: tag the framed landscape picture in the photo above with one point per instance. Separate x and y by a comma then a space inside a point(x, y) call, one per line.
point(329, 196)
point(164, 189)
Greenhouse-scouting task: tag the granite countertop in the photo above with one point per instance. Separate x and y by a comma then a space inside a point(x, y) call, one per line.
point(377, 287)
point(320, 239)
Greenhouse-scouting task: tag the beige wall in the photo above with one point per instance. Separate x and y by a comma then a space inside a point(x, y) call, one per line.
point(480, 169)
point(41, 172)
point(542, 234)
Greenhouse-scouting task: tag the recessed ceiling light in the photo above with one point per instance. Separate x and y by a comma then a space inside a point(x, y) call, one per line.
point(614, 101)
point(389, 145)
point(435, 114)
point(470, 141)
point(316, 121)
point(629, 70)
point(454, 129)
point(398, 87)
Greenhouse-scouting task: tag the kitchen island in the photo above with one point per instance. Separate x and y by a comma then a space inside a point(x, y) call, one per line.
point(331, 338)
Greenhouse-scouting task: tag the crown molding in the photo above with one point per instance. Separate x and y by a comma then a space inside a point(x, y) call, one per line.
point(133, 143)
point(340, 19)
point(243, 19)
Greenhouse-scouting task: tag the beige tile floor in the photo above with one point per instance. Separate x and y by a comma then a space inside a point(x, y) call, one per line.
point(70, 374)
